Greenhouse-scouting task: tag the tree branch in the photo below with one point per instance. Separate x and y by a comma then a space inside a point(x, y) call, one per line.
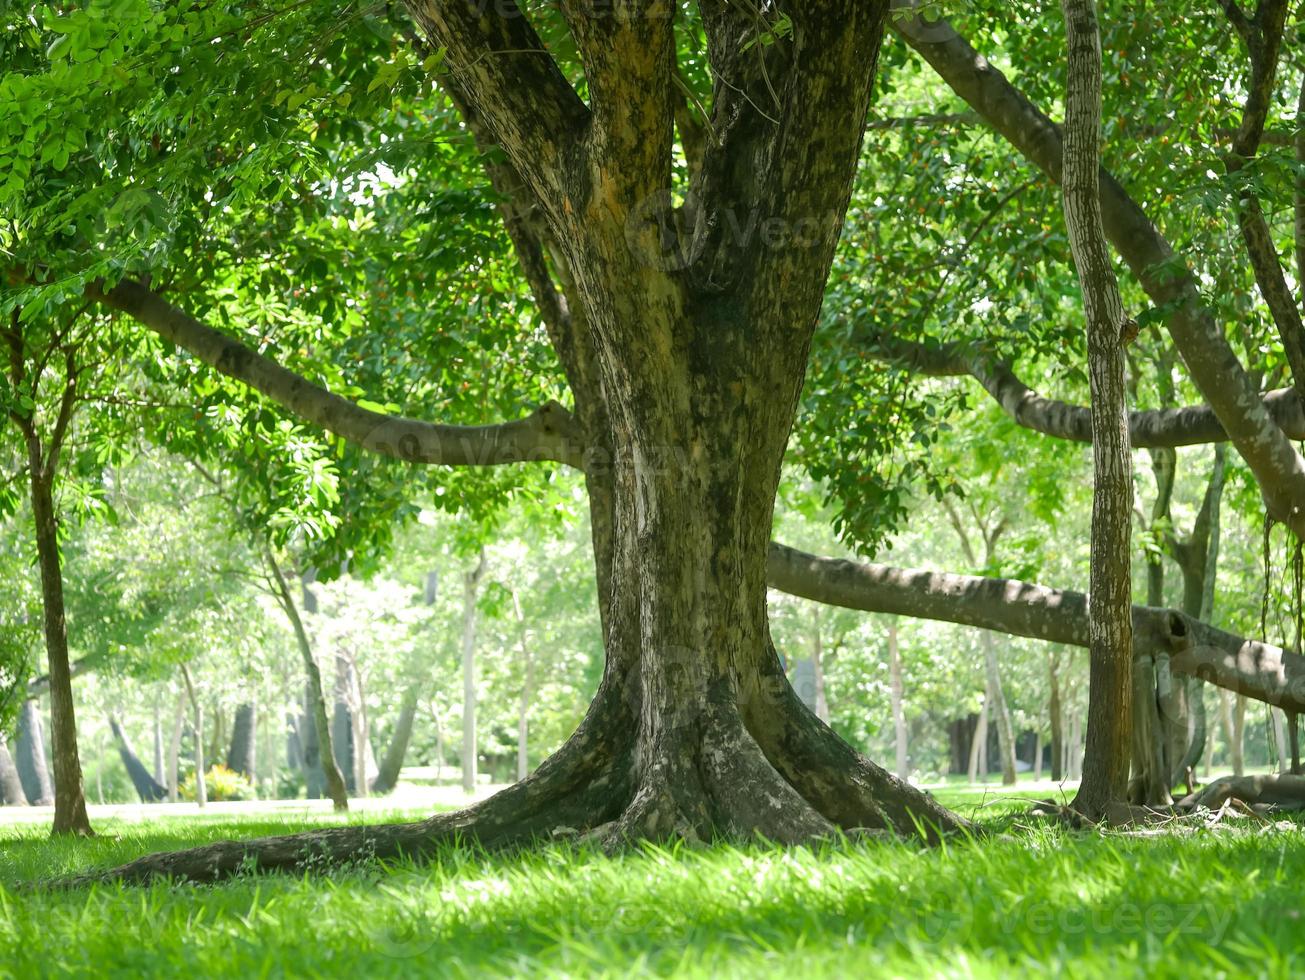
point(546, 434)
point(1258, 670)
point(1192, 425)
point(501, 68)
point(1211, 361)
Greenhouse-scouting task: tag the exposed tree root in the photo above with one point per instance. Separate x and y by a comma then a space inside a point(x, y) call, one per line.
point(1282, 792)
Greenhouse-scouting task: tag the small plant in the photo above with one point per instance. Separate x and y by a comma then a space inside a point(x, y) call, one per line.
point(221, 785)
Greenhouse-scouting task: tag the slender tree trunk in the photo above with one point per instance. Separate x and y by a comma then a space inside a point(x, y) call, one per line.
point(818, 668)
point(470, 584)
point(197, 707)
point(1238, 742)
point(158, 744)
point(895, 694)
point(1005, 731)
point(1074, 763)
point(321, 723)
point(174, 746)
point(147, 787)
point(1105, 766)
point(30, 755)
point(1280, 739)
point(979, 746)
point(69, 799)
point(388, 776)
point(11, 787)
point(1057, 720)
point(1037, 756)
point(527, 684)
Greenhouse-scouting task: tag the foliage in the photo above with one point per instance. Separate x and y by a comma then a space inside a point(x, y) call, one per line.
point(221, 785)
point(1030, 902)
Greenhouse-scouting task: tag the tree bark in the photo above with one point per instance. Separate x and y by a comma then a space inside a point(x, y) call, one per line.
point(147, 787)
point(1005, 731)
point(979, 744)
point(69, 798)
point(527, 683)
point(1056, 720)
point(30, 755)
point(895, 694)
point(174, 747)
point(470, 585)
point(157, 732)
point(242, 753)
point(317, 700)
point(11, 787)
point(388, 776)
point(1105, 765)
point(197, 706)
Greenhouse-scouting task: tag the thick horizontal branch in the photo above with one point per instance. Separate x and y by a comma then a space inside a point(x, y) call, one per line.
point(1257, 670)
point(40, 685)
point(548, 433)
point(1192, 425)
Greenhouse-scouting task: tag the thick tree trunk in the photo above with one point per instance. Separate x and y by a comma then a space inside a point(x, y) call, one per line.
point(11, 787)
point(388, 776)
point(1105, 765)
point(243, 752)
point(147, 787)
point(470, 585)
point(895, 694)
point(30, 755)
point(69, 799)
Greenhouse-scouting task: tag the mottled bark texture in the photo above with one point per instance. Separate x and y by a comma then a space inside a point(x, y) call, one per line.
point(1105, 761)
point(684, 333)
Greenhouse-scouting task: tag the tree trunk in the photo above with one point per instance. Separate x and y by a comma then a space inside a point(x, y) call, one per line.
point(979, 745)
point(11, 787)
point(1005, 731)
point(470, 585)
point(174, 747)
point(1056, 720)
point(69, 798)
point(317, 700)
point(30, 755)
point(157, 732)
point(242, 753)
point(818, 668)
point(197, 706)
point(147, 787)
point(1037, 756)
point(1105, 765)
point(527, 683)
point(895, 693)
point(1237, 745)
point(1283, 752)
point(388, 776)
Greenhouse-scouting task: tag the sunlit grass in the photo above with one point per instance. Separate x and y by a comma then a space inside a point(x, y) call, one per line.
point(1025, 900)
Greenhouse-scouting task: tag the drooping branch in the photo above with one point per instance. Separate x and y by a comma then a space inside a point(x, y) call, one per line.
point(546, 434)
point(1262, 35)
point(1258, 670)
point(1192, 425)
point(1214, 367)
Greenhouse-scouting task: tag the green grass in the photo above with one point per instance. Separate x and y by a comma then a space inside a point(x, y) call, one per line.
point(1026, 901)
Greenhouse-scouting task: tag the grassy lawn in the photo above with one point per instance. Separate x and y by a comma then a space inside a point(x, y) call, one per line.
point(1027, 901)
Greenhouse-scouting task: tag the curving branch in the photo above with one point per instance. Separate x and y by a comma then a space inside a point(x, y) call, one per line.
point(1192, 425)
point(1213, 365)
point(1257, 670)
point(546, 434)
